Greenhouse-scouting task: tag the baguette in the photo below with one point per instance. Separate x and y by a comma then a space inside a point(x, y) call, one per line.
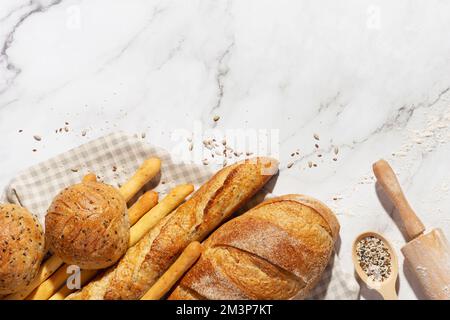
point(276, 251)
point(215, 201)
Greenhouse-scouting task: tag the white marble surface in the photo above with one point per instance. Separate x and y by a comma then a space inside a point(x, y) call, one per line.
point(371, 77)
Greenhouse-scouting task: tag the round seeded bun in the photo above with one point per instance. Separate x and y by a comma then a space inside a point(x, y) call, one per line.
point(87, 225)
point(22, 248)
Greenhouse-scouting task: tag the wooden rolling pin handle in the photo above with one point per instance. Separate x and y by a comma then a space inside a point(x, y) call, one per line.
point(388, 180)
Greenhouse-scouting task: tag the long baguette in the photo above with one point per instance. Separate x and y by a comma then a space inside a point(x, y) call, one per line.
point(175, 197)
point(147, 171)
point(148, 201)
point(214, 202)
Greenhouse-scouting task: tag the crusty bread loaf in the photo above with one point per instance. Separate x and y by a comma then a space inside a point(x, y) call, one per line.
point(87, 225)
point(278, 250)
point(215, 201)
point(22, 247)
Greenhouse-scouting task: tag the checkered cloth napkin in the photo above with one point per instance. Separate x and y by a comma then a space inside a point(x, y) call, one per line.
point(115, 158)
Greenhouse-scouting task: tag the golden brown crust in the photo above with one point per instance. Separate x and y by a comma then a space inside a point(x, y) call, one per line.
point(22, 247)
point(277, 250)
point(87, 225)
point(193, 221)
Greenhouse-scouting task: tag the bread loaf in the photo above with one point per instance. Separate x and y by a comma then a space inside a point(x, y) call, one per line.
point(278, 250)
point(215, 201)
point(87, 225)
point(22, 247)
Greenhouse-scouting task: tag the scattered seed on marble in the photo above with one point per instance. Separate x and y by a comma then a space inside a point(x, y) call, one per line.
point(290, 165)
point(205, 162)
point(316, 145)
point(216, 118)
point(66, 129)
point(37, 138)
point(336, 150)
point(316, 136)
point(334, 159)
point(83, 133)
point(310, 164)
point(74, 170)
point(143, 135)
point(319, 155)
point(314, 165)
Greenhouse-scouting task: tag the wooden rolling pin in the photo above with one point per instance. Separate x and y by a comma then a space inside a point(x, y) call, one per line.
point(143, 175)
point(427, 255)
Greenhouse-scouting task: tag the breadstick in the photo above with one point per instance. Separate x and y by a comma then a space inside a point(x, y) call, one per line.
point(175, 197)
point(142, 206)
point(175, 272)
point(85, 276)
point(144, 174)
point(90, 177)
point(52, 284)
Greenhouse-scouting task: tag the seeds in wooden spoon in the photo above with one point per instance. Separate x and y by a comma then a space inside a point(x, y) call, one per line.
point(374, 258)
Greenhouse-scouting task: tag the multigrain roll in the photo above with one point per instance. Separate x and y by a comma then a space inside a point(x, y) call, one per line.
point(22, 247)
point(87, 225)
point(276, 251)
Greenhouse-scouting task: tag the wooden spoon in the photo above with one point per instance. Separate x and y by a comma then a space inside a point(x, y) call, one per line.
point(387, 287)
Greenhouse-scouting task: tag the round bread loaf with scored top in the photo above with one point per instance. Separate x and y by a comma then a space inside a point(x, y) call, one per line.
point(278, 250)
point(22, 248)
point(87, 225)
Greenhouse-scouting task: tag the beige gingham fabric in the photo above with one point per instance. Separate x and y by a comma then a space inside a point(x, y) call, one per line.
point(114, 158)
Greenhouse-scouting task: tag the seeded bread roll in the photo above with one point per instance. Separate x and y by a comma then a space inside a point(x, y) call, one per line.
point(21, 248)
point(87, 225)
point(276, 251)
point(214, 202)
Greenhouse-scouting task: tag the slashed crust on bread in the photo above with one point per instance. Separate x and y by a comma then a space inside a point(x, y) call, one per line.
point(277, 250)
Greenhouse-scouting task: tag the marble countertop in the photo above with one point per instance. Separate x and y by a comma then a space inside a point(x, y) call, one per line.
point(368, 79)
